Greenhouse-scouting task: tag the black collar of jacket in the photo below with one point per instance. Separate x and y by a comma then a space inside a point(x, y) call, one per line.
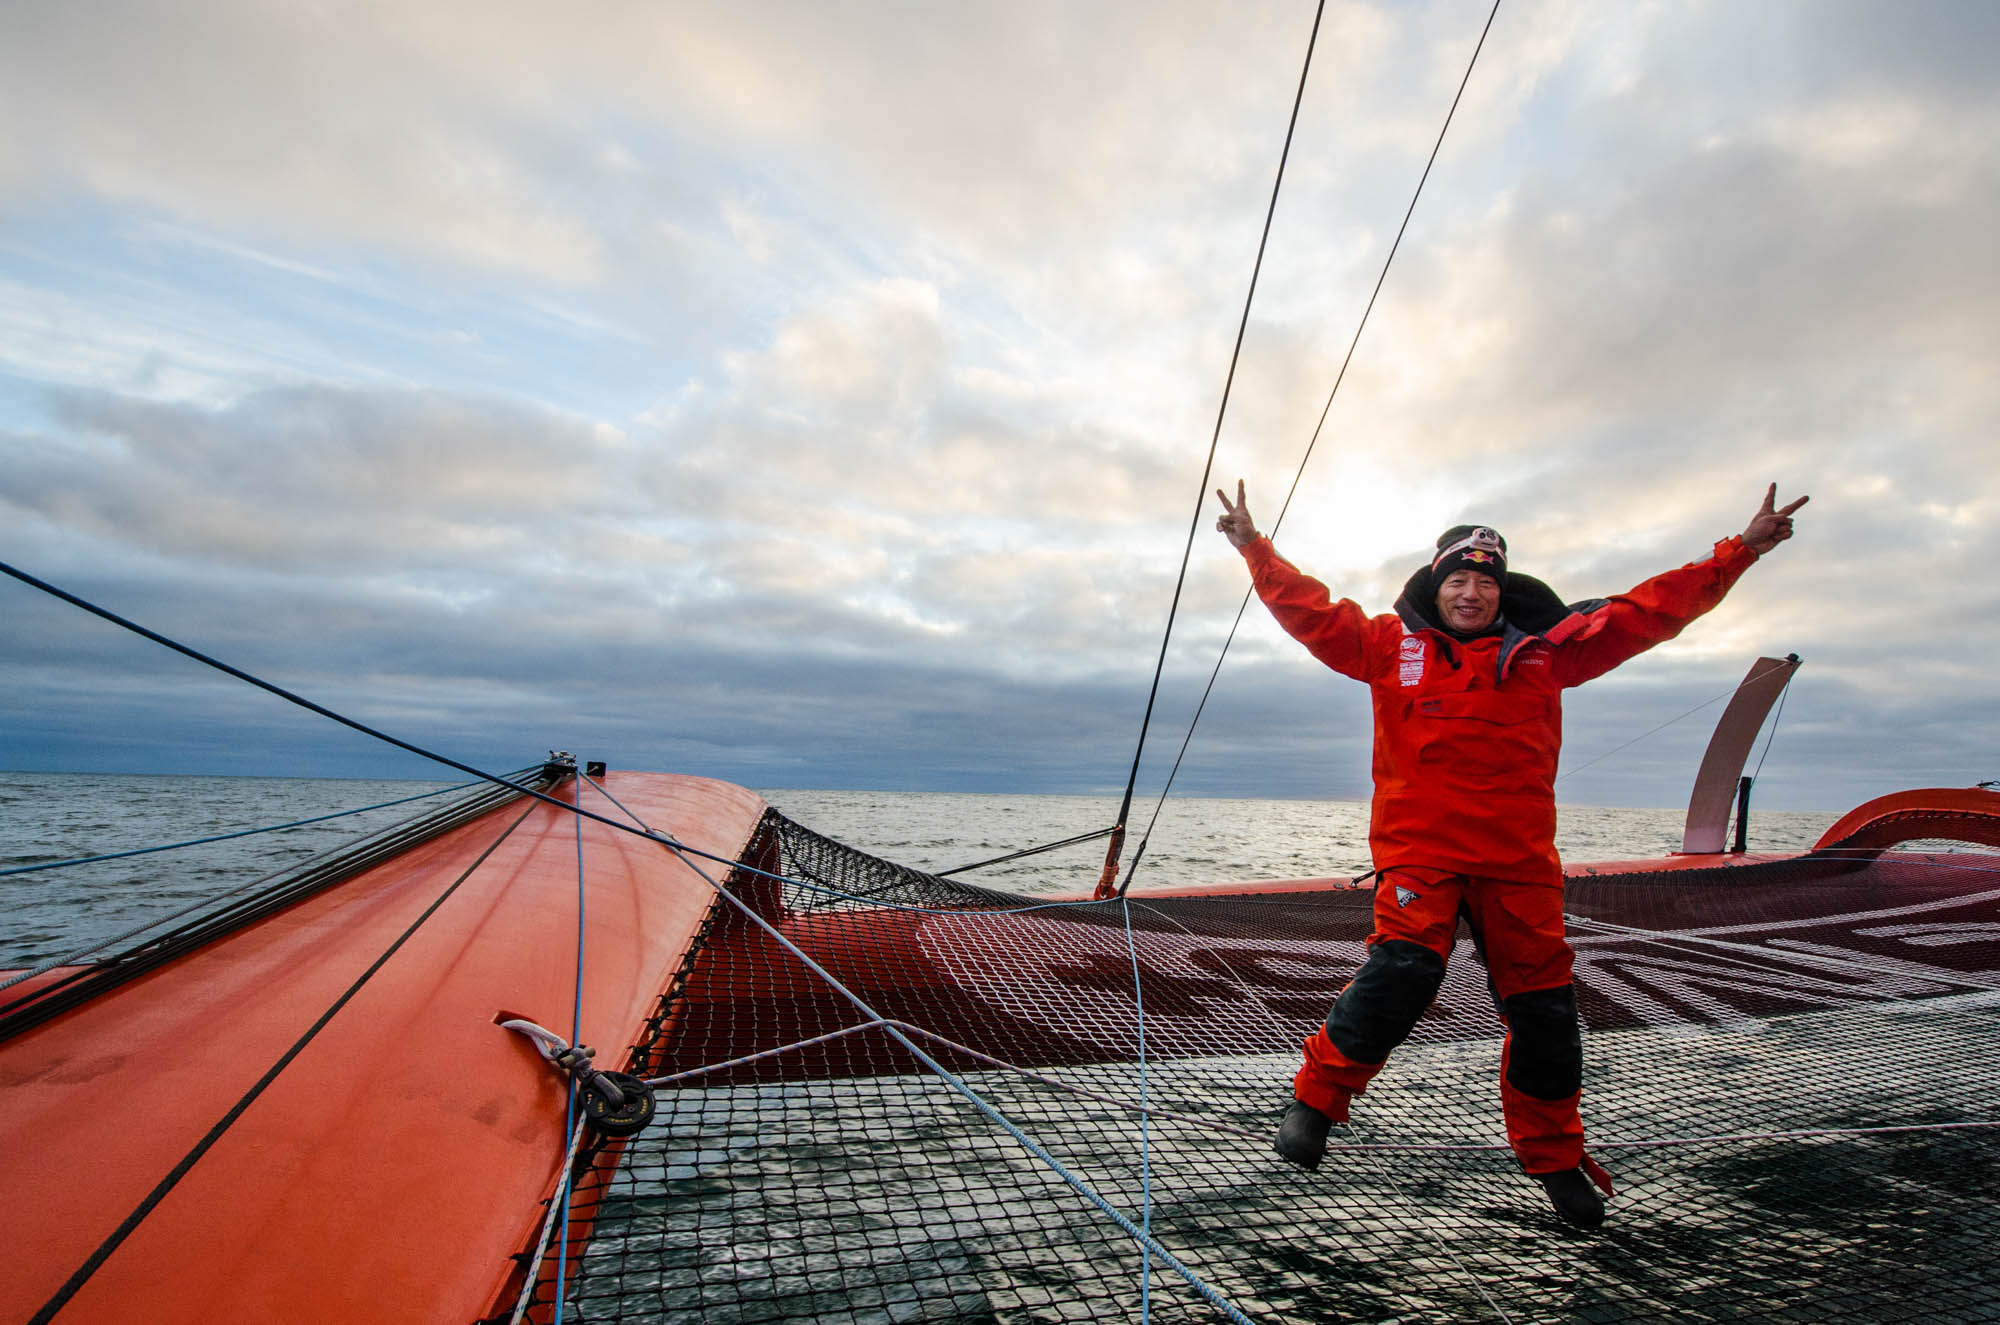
point(1529, 609)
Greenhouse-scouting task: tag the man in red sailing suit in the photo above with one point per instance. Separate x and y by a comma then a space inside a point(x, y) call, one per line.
point(1467, 677)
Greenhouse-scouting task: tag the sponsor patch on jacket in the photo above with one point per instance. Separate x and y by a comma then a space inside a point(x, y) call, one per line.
point(1411, 660)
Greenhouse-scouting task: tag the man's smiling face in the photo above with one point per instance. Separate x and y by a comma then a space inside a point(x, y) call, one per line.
point(1468, 601)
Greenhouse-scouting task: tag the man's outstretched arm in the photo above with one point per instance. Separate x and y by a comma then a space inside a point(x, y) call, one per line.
point(1335, 632)
point(1657, 610)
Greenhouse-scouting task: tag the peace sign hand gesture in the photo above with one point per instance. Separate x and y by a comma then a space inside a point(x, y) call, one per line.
point(1235, 523)
point(1771, 525)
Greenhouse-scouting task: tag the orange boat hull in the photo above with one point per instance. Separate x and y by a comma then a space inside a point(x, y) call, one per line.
point(393, 1167)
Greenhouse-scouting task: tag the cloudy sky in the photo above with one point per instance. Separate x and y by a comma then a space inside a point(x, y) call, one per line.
point(816, 394)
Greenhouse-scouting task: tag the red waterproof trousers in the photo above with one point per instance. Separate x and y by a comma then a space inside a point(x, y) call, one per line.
point(1518, 928)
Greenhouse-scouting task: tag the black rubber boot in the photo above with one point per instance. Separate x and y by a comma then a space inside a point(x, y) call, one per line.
point(1574, 1197)
point(1302, 1136)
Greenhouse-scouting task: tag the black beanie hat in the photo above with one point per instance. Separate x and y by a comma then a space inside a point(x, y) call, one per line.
point(1470, 547)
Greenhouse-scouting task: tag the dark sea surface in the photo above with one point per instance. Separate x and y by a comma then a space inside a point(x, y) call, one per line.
point(48, 817)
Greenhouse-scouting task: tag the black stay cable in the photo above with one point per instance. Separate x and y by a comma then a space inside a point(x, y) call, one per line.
point(1776, 718)
point(1201, 491)
point(241, 675)
point(1791, 660)
point(325, 712)
point(1030, 851)
point(654, 834)
point(1304, 460)
point(166, 1185)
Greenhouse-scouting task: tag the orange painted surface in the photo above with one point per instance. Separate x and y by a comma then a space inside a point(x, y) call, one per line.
point(389, 1172)
point(1679, 860)
point(1970, 813)
point(1651, 864)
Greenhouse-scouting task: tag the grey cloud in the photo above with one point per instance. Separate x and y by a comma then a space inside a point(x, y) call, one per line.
point(279, 116)
point(405, 515)
point(315, 477)
point(479, 133)
point(936, 307)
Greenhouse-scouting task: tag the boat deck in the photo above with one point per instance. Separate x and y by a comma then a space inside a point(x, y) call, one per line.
point(1790, 1072)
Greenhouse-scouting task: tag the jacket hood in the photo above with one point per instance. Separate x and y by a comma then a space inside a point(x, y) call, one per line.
point(1528, 609)
point(1526, 604)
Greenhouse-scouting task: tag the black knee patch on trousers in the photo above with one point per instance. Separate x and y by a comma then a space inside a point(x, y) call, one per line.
point(1546, 1057)
point(1391, 990)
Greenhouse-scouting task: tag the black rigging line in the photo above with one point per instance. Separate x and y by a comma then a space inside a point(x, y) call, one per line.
point(1201, 490)
point(1299, 474)
point(1030, 851)
point(226, 914)
point(224, 837)
point(1776, 718)
point(322, 710)
point(241, 675)
point(655, 835)
point(1792, 661)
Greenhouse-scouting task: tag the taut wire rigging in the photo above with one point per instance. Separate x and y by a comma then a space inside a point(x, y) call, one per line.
point(1109, 875)
point(1104, 883)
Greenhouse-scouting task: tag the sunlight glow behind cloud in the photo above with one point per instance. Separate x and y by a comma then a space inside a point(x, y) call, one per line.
point(856, 365)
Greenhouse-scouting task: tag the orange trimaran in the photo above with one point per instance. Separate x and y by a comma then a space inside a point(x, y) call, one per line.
point(224, 1139)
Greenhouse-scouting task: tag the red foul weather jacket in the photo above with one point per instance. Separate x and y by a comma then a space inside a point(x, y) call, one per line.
point(1467, 731)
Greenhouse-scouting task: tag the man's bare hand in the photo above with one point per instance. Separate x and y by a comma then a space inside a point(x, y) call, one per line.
point(1235, 522)
point(1771, 525)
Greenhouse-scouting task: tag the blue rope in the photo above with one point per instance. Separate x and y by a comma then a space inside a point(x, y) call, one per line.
point(951, 1078)
point(224, 837)
point(1145, 1135)
point(576, 1042)
point(1143, 1236)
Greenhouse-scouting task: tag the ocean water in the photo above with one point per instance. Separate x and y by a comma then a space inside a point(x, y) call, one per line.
point(1196, 840)
point(47, 817)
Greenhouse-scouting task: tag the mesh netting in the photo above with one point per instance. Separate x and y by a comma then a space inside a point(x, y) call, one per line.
point(1781, 1061)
